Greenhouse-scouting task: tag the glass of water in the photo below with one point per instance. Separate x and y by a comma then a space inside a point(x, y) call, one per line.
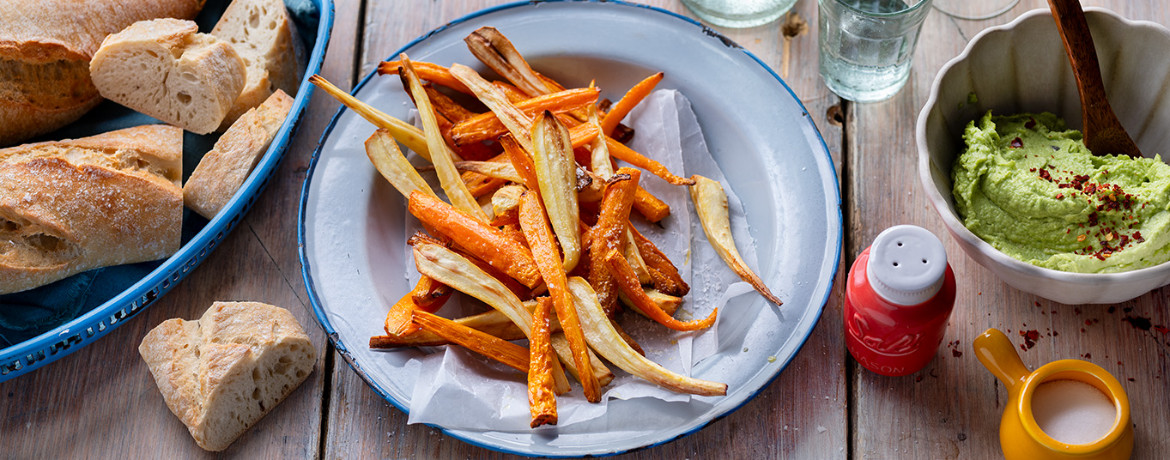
point(739, 13)
point(866, 45)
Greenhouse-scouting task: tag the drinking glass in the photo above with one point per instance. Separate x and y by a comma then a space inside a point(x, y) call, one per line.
point(866, 45)
point(739, 13)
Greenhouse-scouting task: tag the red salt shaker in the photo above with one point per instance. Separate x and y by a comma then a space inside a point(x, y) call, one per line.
point(898, 296)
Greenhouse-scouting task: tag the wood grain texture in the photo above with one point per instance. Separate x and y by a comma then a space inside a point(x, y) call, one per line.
point(790, 418)
point(952, 408)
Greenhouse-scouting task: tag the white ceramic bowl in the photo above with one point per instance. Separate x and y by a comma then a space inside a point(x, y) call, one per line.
point(1022, 67)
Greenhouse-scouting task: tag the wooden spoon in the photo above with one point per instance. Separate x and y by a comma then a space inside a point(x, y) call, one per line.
point(1103, 132)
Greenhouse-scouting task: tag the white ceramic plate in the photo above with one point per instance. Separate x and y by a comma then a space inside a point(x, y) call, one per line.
point(757, 130)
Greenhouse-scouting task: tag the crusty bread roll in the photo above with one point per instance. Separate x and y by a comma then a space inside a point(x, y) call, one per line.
point(223, 169)
point(266, 39)
point(166, 69)
point(45, 48)
point(74, 205)
point(223, 372)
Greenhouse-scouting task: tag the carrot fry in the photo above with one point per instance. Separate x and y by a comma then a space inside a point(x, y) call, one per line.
point(487, 126)
point(393, 166)
point(449, 268)
point(479, 239)
point(404, 132)
point(610, 345)
point(427, 295)
point(441, 154)
point(650, 206)
point(628, 102)
point(536, 229)
point(542, 402)
point(663, 273)
point(711, 206)
point(628, 282)
point(521, 161)
point(608, 235)
point(556, 176)
point(491, 322)
point(628, 155)
point(508, 353)
point(433, 73)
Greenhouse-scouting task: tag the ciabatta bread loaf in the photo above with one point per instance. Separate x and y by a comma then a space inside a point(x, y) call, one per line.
point(265, 37)
point(223, 372)
point(74, 205)
point(45, 48)
point(166, 69)
point(223, 170)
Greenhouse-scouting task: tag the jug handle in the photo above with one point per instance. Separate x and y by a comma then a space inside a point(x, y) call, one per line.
point(999, 356)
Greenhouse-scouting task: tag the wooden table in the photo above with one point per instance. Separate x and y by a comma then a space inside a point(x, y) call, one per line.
point(102, 402)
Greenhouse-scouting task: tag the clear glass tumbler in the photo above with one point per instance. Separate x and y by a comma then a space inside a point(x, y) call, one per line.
point(866, 45)
point(739, 13)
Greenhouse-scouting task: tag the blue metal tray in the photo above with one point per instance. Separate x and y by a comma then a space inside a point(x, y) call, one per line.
point(314, 20)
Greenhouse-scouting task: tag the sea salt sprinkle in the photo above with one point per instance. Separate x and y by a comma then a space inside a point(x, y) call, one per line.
point(1072, 412)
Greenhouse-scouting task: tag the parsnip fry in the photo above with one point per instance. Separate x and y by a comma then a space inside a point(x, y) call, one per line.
point(517, 121)
point(535, 226)
point(393, 166)
point(410, 136)
point(628, 282)
point(441, 154)
point(628, 155)
point(449, 268)
point(506, 201)
point(542, 403)
point(433, 73)
point(666, 302)
point(487, 126)
point(609, 344)
point(483, 241)
point(711, 206)
point(556, 172)
point(491, 169)
point(508, 353)
point(495, 50)
point(628, 102)
point(599, 160)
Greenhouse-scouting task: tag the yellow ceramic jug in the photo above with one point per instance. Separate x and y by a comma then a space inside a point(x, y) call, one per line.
point(1020, 435)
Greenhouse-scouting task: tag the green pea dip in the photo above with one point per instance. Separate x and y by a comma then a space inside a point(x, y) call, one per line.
point(1027, 185)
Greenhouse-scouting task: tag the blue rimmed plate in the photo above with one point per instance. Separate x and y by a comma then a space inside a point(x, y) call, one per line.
point(351, 222)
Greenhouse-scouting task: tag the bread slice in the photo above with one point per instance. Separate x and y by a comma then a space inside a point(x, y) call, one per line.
point(223, 372)
point(45, 48)
point(266, 39)
point(223, 169)
point(166, 69)
point(74, 205)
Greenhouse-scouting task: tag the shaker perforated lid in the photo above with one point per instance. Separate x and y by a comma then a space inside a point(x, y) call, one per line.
point(907, 265)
